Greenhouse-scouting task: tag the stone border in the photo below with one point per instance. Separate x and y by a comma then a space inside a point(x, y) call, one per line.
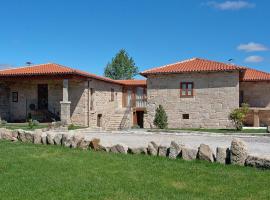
point(236, 154)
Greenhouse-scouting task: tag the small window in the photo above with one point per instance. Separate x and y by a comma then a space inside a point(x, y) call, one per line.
point(14, 96)
point(112, 94)
point(185, 116)
point(186, 89)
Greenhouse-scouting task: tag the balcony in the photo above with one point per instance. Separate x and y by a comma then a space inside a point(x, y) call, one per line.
point(141, 103)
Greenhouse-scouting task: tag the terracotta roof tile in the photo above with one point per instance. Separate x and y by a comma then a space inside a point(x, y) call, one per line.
point(132, 82)
point(193, 65)
point(255, 75)
point(50, 69)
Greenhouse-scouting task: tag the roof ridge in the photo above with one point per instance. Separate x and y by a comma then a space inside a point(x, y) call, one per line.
point(20, 67)
point(159, 67)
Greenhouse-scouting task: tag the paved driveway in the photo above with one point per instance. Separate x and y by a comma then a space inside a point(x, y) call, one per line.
point(257, 145)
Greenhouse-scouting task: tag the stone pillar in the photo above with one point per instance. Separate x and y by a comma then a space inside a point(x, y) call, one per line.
point(256, 118)
point(65, 104)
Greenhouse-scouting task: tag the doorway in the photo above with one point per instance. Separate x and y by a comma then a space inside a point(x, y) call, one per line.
point(99, 120)
point(43, 96)
point(139, 116)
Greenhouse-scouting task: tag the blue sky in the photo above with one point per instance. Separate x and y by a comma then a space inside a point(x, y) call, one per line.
point(86, 34)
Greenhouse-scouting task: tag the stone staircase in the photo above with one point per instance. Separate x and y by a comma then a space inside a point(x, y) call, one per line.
point(118, 120)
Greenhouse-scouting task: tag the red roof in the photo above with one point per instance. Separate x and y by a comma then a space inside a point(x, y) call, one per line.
point(255, 75)
point(193, 65)
point(132, 82)
point(56, 69)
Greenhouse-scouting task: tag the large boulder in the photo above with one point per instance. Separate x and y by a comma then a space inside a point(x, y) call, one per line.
point(189, 154)
point(15, 135)
point(96, 145)
point(29, 136)
point(162, 151)
point(119, 148)
point(257, 161)
point(152, 148)
point(21, 135)
point(84, 144)
point(223, 155)
point(50, 138)
point(76, 139)
point(37, 136)
point(175, 150)
point(238, 152)
point(44, 138)
point(58, 139)
point(6, 134)
point(137, 150)
point(67, 139)
point(205, 153)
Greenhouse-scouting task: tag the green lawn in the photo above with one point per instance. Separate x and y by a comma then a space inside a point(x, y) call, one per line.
point(29, 171)
point(25, 126)
point(229, 131)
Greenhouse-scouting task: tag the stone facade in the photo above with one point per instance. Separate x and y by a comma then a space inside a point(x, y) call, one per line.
point(80, 97)
point(27, 95)
point(215, 96)
point(257, 95)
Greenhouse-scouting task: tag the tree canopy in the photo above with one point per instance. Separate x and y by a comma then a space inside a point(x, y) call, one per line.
point(121, 67)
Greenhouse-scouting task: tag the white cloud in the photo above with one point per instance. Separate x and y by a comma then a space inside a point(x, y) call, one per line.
point(230, 5)
point(252, 46)
point(254, 59)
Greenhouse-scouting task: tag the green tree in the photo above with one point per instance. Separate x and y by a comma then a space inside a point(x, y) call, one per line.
point(121, 67)
point(161, 119)
point(238, 116)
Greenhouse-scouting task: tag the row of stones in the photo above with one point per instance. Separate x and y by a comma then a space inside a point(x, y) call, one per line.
point(236, 154)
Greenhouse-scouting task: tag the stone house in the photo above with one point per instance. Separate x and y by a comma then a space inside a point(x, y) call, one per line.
point(199, 93)
point(51, 91)
point(195, 93)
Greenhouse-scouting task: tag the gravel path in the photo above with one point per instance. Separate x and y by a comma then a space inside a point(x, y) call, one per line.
point(257, 145)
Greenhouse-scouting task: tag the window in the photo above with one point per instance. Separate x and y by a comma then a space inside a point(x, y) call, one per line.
point(91, 98)
point(186, 89)
point(112, 94)
point(185, 116)
point(14, 96)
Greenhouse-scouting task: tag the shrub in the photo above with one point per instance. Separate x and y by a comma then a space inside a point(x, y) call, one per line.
point(238, 115)
point(35, 122)
point(31, 124)
point(3, 122)
point(71, 127)
point(135, 127)
point(161, 119)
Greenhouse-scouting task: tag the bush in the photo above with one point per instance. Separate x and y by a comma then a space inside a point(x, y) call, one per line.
point(31, 124)
point(3, 122)
point(161, 119)
point(238, 115)
point(35, 122)
point(71, 127)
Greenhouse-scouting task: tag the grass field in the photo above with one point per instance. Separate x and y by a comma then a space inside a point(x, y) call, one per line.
point(25, 126)
point(36, 172)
